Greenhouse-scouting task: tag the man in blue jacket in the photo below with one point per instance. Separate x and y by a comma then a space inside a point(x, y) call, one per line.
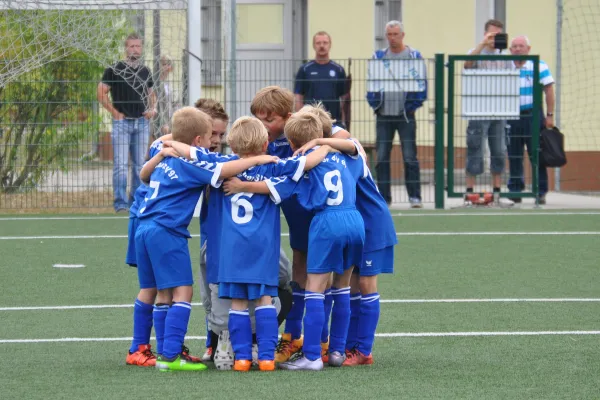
point(396, 112)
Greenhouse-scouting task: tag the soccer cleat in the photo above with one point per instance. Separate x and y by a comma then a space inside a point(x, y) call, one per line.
point(224, 354)
point(185, 353)
point(286, 347)
point(179, 363)
point(355, 357)
point(299, 362)
point(266, 365)
point(325, 352)
point(143, 357)
point(207, 354)
point(336, 359)
point(242, 365)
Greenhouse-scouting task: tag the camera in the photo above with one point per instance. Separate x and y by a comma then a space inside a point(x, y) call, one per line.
point(501, 41)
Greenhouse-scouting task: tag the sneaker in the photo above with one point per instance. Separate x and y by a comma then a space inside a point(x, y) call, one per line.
point(207, 356)
point(255, 354)
point(224, 354)
point(266, 365)
point(542, 200)
point(143, 357)
point(185, 353)
point(325, 352)
point(415, 202)
point(299, 362)
point(355, 357)
point(179, 363)
point(286, 347)
point(242, 365)
point(336, 359)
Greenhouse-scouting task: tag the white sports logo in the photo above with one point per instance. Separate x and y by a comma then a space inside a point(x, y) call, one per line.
point(369, 263)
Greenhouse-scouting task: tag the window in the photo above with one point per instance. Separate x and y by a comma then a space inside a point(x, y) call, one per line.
point(211, 42)
point(385, 11)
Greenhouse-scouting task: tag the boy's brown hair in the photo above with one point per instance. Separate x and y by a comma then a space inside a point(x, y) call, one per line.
point(273, 100)
point(302, 127)
point(320, 112)
point(213, 108)
point(189, 122)
point(247, 136)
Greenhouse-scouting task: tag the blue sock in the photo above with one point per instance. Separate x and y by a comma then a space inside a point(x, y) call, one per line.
point(142, 324)
point(240, 331)
point(369, 316)
point(208, 334)
point(159, 316)
point(176, 325)
point(267, 330)
point(293, 321)
point(313, 325)
point(352, 338)
point(328, 304)
point(340, 320)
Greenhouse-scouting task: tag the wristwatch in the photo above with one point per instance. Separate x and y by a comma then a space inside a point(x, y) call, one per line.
point(549, 114)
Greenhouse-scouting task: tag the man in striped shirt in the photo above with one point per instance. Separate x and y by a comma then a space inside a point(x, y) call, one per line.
point(521, 130)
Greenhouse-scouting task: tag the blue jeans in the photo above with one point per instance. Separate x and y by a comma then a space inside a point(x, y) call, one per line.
point(386, 128)
point(519, 136)
point(129, 136)
point(476, 131)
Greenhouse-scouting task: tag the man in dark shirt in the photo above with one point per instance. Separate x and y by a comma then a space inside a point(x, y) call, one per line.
point(131, 104)
point(321, 80)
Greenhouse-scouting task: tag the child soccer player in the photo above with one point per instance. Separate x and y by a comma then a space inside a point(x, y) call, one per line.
point(273, 105)
point(378, 258)
point(161, 238)
point(336, 240)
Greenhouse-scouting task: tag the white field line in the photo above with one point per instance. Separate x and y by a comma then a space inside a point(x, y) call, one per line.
point(483, 233)
point(68, 266)
point(399, 214)
point(381, 335)
point(389, 301)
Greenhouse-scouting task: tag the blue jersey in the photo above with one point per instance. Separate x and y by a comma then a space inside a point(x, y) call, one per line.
point(250, 228)
point(332, 183)
point(280, 147)
point(174, 190)
point(140, 193)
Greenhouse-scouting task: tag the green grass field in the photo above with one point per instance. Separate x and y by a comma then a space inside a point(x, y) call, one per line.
point(483, 305)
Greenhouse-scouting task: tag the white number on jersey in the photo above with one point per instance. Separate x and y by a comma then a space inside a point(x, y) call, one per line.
point(154, 185)
point(236, 202)
point(336, 188)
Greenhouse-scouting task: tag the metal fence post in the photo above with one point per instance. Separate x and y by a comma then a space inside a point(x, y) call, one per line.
point(440, 183)
point(535, 135)
point(557, 97)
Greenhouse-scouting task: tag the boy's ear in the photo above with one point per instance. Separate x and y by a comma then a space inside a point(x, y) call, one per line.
point(265, 146)
point(288, 115)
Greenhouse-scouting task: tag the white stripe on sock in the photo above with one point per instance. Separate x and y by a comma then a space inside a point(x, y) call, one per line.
point(264, 307)
point(239, 312)
point(184, 305)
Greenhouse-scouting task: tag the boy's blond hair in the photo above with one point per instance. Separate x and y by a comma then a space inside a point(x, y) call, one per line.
point(247, 136)
point(189, 122)
point(273, 100)
point(302, 127)
point(320, 112)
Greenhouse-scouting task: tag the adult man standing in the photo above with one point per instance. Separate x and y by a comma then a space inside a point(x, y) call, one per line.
point(321, 80)
point(521, 130)
point(396, 112)
point(494, 129)
point(130, 86)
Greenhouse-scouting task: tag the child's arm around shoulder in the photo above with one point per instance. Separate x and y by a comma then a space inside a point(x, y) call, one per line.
point(343, 145)
point(147, 169)
point(236, 185)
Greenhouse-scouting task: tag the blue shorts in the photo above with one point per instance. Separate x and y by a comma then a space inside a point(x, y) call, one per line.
point(248, 291)
point(335, 242)
point(377, 262)
point(298, 220)
point(163, 258)
point(130, 258)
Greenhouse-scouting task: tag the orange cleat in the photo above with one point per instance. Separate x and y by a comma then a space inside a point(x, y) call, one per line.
point(143, 357)
point(266, 365)
point(286, 347)
point(355, 357)
point(242, 365)
point(325, 352)
point(185, 354)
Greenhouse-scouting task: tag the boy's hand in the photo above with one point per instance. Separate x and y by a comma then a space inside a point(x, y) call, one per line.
point(265, 159)
point(232, 186)
point(169, 152)
point(302, 150)
point(330, 149)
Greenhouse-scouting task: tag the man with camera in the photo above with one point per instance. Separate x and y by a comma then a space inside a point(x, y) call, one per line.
point(493, 43)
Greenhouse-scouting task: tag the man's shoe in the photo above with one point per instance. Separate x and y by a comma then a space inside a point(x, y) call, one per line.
point(242, 365)
point(179, 363)
point(299, 362)
point(415, 202)
point(224, 354)
point(286, 347)
point(542, 200)
point(143, 357)
point(355, 357)
point(185, 353)
point(266, 365)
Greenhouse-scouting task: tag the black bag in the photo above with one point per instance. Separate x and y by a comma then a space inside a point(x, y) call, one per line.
point(552, 148)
